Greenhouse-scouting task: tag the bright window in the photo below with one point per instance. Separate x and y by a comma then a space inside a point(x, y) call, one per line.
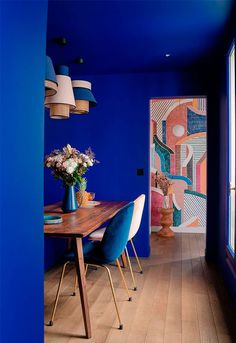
point(232, 144)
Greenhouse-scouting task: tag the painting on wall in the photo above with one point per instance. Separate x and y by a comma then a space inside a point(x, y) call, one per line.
point(178, 150)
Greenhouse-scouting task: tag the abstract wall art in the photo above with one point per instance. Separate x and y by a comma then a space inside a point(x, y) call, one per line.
point(178, 150)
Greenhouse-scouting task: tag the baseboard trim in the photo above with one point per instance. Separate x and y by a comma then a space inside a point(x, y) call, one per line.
point(176, 229)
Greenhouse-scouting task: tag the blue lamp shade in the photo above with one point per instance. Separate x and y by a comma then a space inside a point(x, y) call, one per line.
point(50, 78)
point(63, 102)
point(83, 96)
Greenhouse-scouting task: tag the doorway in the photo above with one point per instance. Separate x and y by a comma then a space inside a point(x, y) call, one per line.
point(178, 149)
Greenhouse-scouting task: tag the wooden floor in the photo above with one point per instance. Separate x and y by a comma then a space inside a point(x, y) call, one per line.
point(179, 299)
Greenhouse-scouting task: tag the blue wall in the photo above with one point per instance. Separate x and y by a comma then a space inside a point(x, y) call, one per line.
point(23, 43)
point(117, 127)
point(118, 131)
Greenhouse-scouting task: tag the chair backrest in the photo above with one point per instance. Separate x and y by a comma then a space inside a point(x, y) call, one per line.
point(116, 235)
point(137, 215)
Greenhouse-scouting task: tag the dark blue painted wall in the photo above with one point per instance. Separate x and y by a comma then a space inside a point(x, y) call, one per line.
point(22, 58)
point(117, 128)
point(118, 131)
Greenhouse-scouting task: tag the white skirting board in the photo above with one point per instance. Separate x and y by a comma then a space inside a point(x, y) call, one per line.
point(177, 229)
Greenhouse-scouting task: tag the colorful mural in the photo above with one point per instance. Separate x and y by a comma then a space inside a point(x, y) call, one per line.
point(178, 149)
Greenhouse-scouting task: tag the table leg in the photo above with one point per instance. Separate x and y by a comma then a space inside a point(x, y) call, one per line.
point(79, 262)
point(124, 260)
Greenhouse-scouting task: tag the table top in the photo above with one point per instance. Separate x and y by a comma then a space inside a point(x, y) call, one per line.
point(82, 222)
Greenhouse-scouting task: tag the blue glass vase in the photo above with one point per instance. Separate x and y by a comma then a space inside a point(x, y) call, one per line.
point(69, 203)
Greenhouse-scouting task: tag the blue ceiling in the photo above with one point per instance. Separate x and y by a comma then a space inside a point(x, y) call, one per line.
point(134, 36)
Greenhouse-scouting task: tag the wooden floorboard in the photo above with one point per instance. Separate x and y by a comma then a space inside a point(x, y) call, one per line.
point(179, 299)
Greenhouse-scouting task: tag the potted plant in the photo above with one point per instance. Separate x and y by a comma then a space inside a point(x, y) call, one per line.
point(69, 165)
point(166, 211)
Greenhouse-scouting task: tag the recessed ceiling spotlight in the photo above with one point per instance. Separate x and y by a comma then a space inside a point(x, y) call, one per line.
point(167, 55)
point(79, 60)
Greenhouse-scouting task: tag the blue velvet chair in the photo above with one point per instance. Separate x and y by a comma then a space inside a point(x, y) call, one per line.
point(106, 251)
point(135, 224)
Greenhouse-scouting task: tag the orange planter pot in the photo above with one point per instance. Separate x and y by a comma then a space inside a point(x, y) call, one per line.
point(166, 222)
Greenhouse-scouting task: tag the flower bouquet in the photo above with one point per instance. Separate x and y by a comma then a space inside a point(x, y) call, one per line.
point(69, 165)
point(164, 184)
point(167, 213)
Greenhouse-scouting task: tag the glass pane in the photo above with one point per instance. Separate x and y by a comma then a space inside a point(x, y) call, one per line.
point(232, 147)
point(232, 221)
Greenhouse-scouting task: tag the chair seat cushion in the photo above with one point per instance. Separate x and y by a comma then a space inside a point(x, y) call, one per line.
point(98, 234)
point(92, 253)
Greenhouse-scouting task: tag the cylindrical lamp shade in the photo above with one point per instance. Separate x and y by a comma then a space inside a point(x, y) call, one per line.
point(63, 102)
point(50, 78)
point(83, 96)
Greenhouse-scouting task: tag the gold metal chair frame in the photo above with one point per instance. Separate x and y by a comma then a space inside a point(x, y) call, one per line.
point(75, 286)
point(136, 256)
point(130, 265)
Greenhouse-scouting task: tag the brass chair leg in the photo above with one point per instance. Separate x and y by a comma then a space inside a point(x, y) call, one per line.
point(86, 269)
point(58, 293)
point(136, 256)
point(123, 278)
point(131, 269)
point(113, 292)
point(75, 284)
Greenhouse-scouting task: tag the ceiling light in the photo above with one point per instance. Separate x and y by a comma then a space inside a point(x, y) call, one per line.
point(84, 98)
point(50, 78)
point(63, 102)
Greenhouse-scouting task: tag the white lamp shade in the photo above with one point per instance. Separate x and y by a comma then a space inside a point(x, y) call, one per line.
point(61, 103)
point(81, 84)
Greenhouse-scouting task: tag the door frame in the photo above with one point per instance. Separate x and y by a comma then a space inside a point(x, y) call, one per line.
point(230, 254)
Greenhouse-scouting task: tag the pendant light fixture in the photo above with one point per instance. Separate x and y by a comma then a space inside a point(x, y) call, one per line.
point(84, 98)
point(63, 102)
point(50, 78)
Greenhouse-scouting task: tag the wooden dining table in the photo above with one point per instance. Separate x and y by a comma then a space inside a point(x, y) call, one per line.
point(77, 225)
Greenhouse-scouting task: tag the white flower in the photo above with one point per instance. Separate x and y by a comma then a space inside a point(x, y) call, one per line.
point(90, 163)
point(70, 165)
point(70, 170)
point(85, 164)
point(58, 158)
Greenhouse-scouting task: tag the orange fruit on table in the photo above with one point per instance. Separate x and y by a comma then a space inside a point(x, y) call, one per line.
point(90, 198)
